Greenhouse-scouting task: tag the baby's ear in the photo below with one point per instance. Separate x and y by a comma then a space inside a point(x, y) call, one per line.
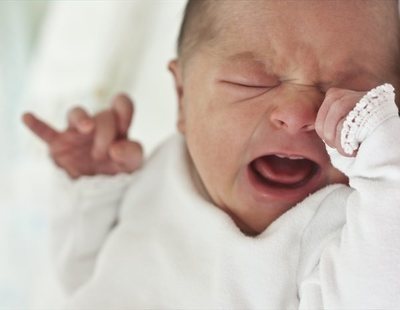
point(176, 71)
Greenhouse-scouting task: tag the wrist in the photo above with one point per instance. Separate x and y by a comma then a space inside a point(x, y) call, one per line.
point(373, 109)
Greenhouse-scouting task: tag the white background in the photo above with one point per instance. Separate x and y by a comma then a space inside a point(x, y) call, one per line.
point(53, 56)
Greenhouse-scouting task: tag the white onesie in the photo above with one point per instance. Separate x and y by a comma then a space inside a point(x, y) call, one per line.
point(152, 241)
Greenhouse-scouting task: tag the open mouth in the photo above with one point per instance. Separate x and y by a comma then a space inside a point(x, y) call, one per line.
point(282, 171)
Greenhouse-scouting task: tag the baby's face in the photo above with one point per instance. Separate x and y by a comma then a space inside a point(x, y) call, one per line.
point(249, 100)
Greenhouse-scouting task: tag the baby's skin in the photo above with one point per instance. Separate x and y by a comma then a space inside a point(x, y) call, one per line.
point(270, 86)
point(92, 145)
point(99, 144)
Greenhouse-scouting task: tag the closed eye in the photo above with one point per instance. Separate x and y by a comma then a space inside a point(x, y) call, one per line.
point(251, 85)
point(245, 91)
point(237, 84)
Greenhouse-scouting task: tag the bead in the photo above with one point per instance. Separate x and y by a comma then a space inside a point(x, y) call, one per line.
point(375, 101)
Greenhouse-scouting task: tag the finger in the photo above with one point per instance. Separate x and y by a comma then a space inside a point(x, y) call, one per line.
point(337, 111)
point(128, 154)
point(73, 173)
point(105, 134)
point(79, 119)
point(331, 96)
point(110, 168)
point(338, 141)
point(123, 107)
point(40, 128)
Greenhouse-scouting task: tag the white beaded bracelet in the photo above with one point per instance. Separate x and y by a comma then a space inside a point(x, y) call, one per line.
point(374, 108)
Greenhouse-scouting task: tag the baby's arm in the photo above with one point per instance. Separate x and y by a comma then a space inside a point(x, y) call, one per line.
point(90, 146)
point(80, 224)
point(360, 267)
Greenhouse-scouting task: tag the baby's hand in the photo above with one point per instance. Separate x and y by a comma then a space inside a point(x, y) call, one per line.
point(332, 114)
point(92, 145)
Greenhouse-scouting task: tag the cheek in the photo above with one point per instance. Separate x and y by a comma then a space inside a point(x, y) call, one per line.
point(221, 128)
point(218, 136)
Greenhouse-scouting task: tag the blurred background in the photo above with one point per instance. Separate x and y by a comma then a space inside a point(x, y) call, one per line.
point(55, 55)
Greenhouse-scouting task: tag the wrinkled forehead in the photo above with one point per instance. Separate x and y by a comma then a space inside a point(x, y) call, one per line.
point(332, 33)
point(305, 12)
point(309, 21)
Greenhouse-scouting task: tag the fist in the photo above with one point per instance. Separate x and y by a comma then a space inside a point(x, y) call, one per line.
point(92, 145)
point(332, 113)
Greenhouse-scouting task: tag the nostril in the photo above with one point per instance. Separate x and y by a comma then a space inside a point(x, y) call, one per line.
point(294, 120)
point(281, 123)
point(293, 126)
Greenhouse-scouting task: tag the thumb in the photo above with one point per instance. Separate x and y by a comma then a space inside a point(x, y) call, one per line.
point(127, 154)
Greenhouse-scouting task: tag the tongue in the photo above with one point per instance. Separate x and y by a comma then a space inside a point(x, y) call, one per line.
point(283, 170)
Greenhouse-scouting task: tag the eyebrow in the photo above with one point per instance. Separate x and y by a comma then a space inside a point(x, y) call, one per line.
point(338, 76)
point(344, 76)
point(250, 57)
point(246, 55)
point(243, 55)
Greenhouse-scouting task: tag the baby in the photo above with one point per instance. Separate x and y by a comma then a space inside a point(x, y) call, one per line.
point(245, 208)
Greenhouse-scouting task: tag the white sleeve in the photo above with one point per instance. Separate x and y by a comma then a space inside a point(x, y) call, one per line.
point(360, 266)
point(80, 223)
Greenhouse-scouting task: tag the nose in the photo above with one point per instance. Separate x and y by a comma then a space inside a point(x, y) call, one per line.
point(295, 116)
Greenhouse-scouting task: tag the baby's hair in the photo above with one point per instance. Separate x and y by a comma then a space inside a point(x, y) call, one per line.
point(197, 25)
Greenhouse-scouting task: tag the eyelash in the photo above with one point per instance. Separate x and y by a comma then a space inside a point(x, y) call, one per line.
point(250, 86)
point(246, 91)
point(234, 84)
